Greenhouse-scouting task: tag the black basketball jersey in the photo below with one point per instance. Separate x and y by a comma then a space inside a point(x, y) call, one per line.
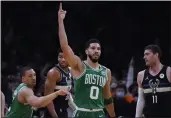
point(65, 82)
point(157, 92)
point(65, 78)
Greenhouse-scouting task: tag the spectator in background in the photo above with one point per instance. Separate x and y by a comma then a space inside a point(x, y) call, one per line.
point(44, 71)
point(132, 93)
point(131, 98)
point(10, 88)
point(133, 89)
point(4, 84)
point(120, 103)
point(122, 106)
point(113, 89)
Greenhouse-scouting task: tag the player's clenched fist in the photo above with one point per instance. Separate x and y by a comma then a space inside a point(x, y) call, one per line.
point(61, 13)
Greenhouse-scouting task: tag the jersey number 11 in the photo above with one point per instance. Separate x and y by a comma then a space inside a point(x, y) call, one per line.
point(154, 99)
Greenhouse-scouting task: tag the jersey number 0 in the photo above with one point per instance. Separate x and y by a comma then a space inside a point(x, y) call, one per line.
point(94, 92)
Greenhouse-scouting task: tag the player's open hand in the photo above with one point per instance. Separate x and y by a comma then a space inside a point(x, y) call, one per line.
point(63, 92)
point(61, 13)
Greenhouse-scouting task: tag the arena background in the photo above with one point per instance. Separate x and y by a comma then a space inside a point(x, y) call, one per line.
point(30, 33)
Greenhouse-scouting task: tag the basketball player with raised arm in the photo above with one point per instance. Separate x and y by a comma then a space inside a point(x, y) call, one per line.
point(91, 80)
point(24, 99)
point(154, 92)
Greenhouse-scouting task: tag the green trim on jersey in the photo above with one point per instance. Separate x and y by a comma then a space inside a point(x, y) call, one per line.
point(17, 109)
point(89, 87)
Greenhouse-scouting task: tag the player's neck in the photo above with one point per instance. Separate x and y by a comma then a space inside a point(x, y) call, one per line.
point(65, 69)
point(28, 85)
point(92, 64)
point(31, 87)
point(156, 67)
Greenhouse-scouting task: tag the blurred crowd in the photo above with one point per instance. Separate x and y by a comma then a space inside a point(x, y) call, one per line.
point(124, 90)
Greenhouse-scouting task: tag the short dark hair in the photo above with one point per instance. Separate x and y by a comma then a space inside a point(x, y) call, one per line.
point(24, 69)
point(59, 51)
point(122, 86)
point(155, 49)
point(93, 40)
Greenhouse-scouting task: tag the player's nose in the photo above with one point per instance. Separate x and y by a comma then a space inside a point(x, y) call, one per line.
point(63, 59)
point(97, 51)
point(34, 78)
point(144, 57)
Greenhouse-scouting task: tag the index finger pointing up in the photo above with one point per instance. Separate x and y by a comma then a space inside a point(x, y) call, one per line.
point(60, 6)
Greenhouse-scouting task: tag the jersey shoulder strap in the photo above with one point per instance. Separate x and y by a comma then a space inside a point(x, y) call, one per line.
point(103, 67)
point(164, 69)
point(146, 72)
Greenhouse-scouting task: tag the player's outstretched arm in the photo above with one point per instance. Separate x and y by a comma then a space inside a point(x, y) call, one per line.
point(141, 101)
point(53, 76)
point(73, 60)
point(108, 97)
point(28, 95)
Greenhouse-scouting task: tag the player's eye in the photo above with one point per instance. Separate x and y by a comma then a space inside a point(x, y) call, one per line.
point(146, 54)
point(92, 48)
point(30, 75)
point(60, 56)
point(98, 48)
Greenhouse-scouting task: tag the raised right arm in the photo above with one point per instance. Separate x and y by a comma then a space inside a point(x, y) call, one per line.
point(29, 97)
point(141, 101)
point(73, 60)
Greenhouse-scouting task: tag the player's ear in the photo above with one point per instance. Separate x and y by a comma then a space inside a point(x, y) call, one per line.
point(22, 78)
point(157, 54)
point(86, 51)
